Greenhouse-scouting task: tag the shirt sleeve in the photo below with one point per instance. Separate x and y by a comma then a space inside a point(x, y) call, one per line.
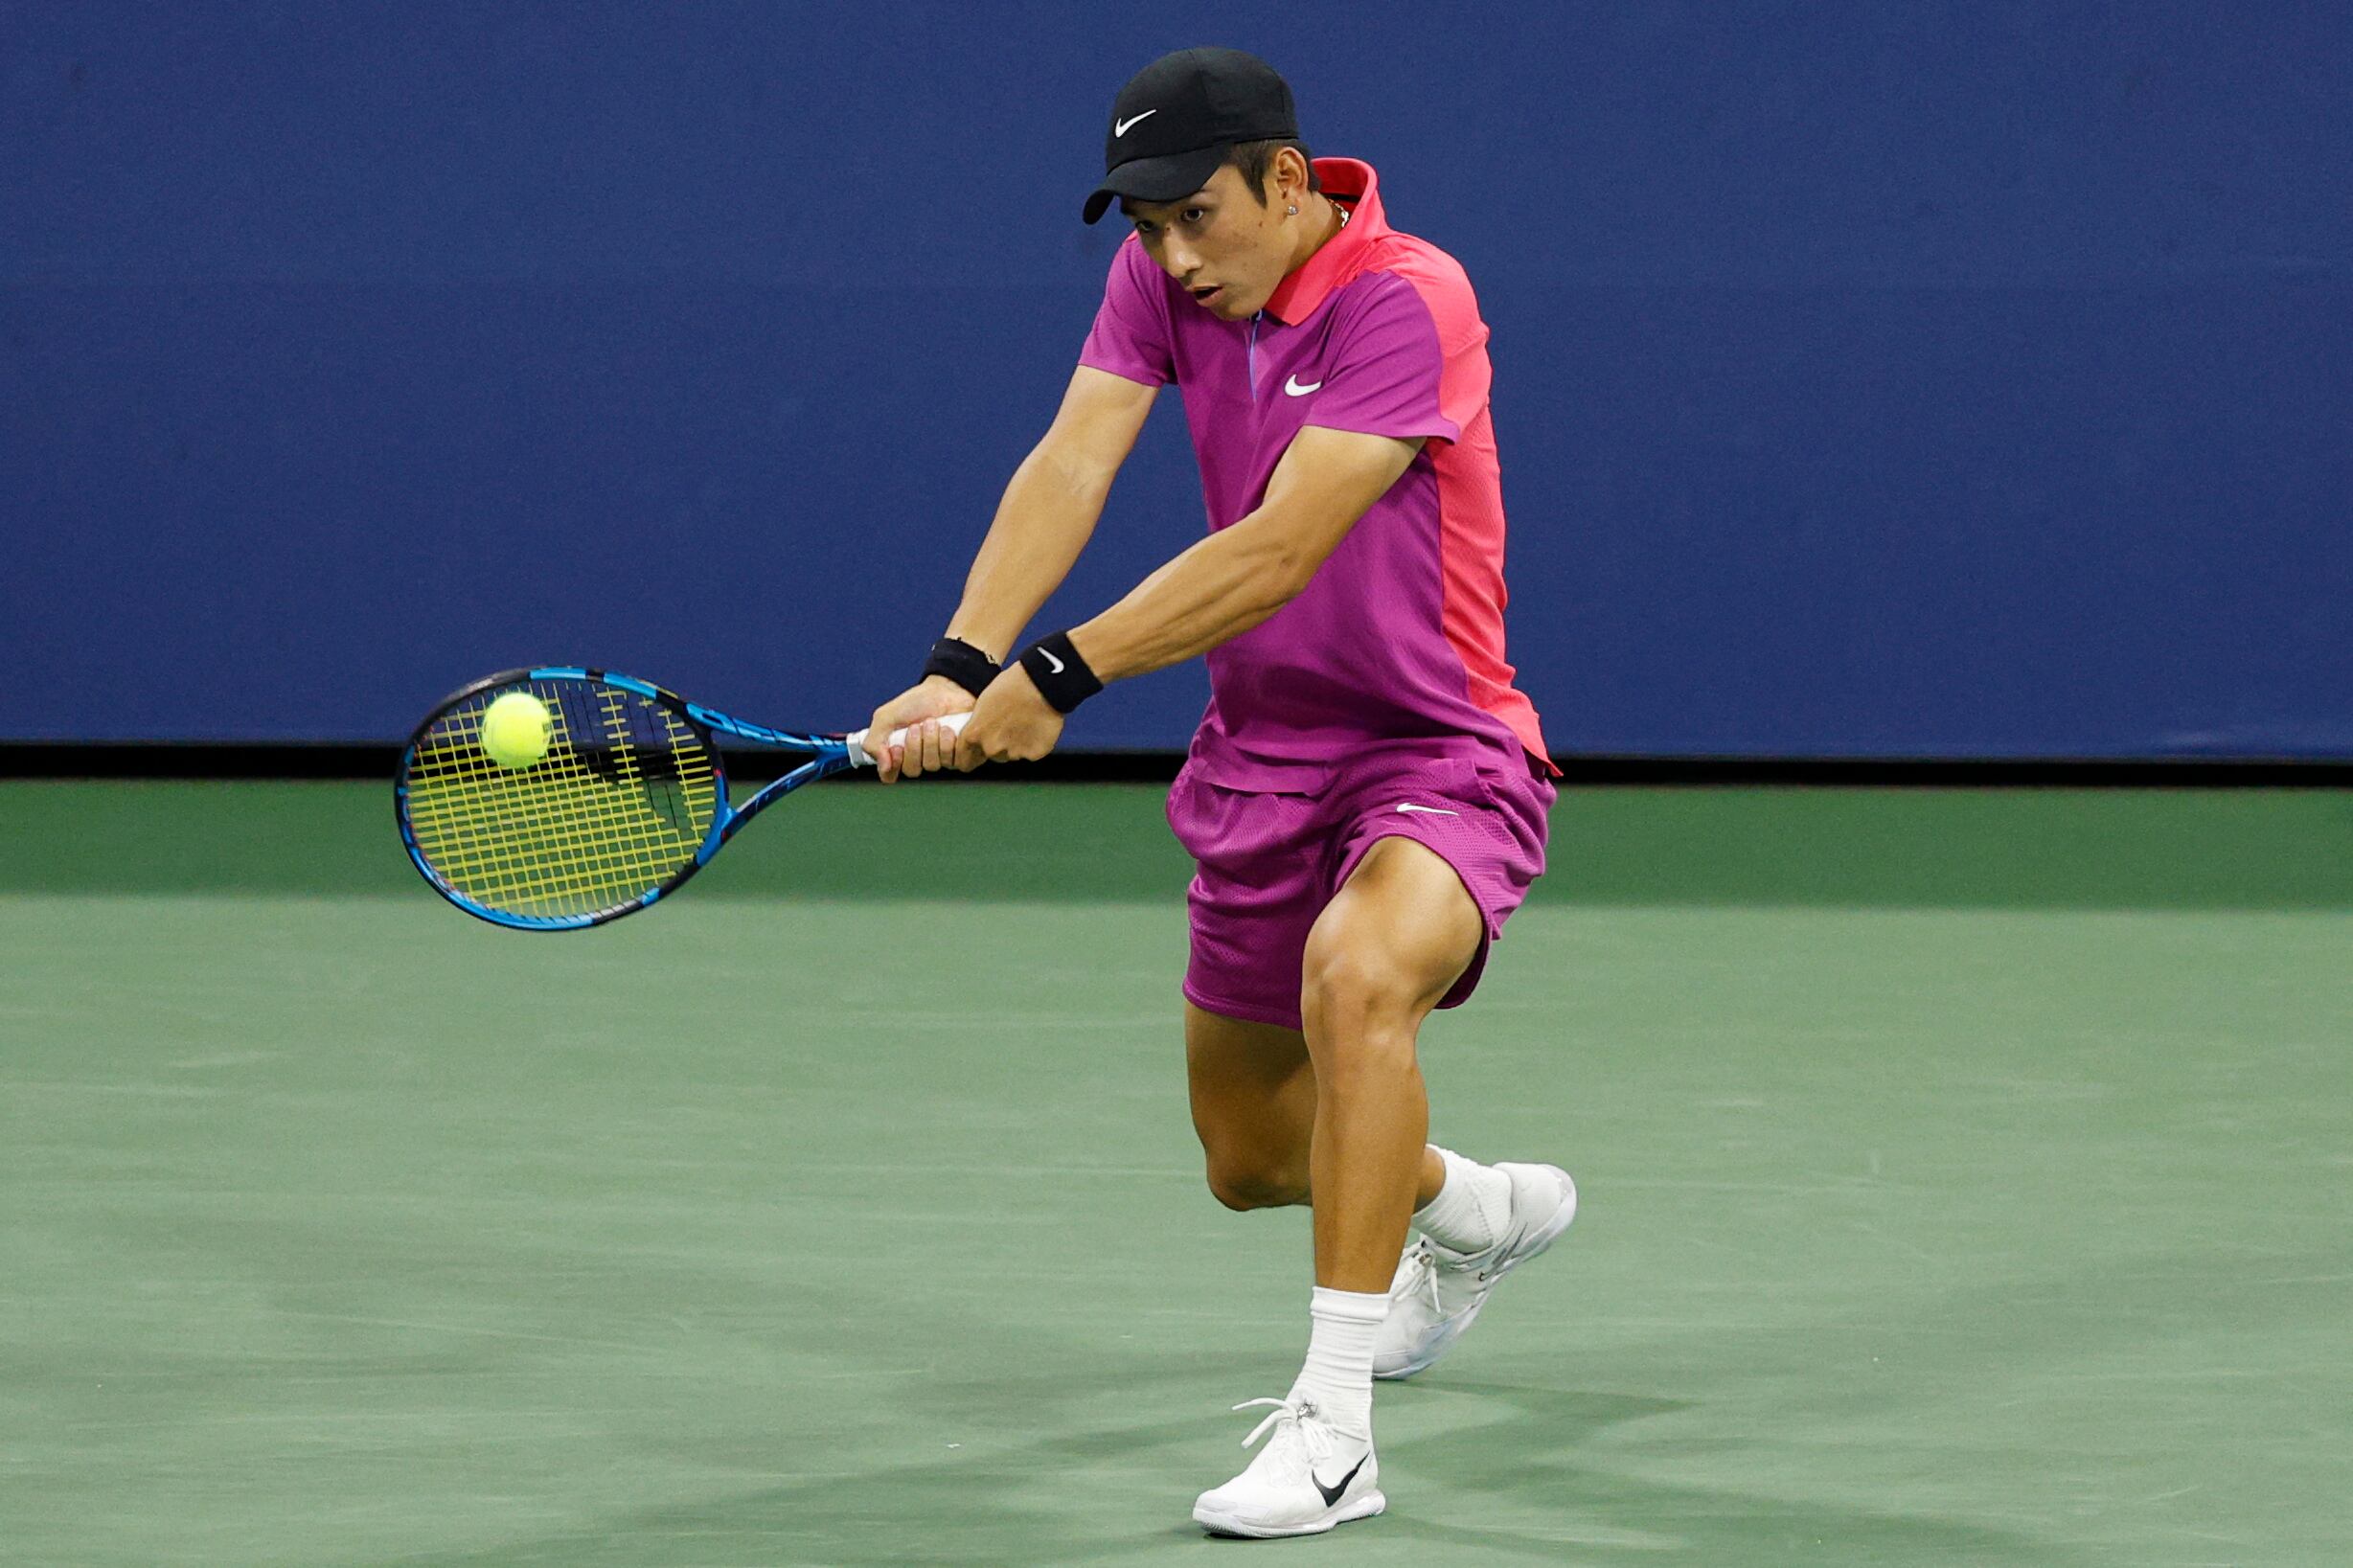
point(1130, 335)
point(1382, 373)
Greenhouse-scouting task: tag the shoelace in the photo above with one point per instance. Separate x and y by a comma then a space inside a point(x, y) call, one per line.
point(1424, 1280)
point(1315, 1433)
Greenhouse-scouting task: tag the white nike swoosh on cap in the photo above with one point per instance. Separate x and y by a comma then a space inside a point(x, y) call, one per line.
point(1294, 386)
point(1432, 810)
point(1122, 127)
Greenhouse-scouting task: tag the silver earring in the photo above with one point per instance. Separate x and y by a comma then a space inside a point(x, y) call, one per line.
point(1293, 211)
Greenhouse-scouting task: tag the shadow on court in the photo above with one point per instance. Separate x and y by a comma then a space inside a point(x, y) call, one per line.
point(1500, 1483)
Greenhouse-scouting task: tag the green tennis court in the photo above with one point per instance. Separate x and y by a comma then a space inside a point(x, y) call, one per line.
point(1964, 1182)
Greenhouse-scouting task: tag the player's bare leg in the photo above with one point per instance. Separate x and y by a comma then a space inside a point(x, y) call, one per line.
point(1381, 957)
point(1340, 1112)
point(1383, 954)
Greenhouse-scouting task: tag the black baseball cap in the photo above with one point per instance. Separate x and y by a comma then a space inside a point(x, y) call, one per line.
point(1173, 122)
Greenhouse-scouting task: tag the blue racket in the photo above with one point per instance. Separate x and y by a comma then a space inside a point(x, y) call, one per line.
point(555, 799)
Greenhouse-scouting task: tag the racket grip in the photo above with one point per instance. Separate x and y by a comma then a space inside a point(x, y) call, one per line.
point(953, 724)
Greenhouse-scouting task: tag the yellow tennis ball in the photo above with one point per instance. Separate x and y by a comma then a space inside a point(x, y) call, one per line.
point(515, 729)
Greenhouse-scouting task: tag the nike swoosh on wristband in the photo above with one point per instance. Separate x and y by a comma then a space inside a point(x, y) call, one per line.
point(1432, 810)
point(1051, 660)
point(1126, 125)
point(1332, 1494)
point(1294, 386)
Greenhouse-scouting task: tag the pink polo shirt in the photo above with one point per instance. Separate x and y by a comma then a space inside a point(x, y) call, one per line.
point(1399, 638)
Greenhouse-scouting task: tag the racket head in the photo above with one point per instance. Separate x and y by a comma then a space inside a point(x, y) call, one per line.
point(627, 802)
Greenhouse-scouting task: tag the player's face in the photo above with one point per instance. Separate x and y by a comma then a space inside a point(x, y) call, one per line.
point(1227, 249)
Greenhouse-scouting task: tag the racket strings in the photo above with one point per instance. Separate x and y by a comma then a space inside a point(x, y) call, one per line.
point(556, 823)
point(620, 804)
point(564, 836)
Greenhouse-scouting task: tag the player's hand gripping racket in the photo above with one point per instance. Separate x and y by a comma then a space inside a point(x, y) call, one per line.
point(553, 799)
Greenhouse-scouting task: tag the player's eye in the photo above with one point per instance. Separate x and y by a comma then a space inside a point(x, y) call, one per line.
point(1194, 215)
point(1142, 226)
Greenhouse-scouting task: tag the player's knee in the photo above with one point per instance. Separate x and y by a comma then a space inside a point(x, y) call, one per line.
point(1254, 1184)
point(1354, 988)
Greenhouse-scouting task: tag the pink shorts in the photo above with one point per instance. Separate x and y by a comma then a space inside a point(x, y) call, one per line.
point(1269, 861)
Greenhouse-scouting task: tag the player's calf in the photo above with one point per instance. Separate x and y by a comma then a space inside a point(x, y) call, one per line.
point(1253, 1095)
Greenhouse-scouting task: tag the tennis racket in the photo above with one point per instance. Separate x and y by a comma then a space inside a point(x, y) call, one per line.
point(626, 801)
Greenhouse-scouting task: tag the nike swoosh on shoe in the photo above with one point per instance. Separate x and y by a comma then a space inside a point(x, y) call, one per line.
point(1332, 1494)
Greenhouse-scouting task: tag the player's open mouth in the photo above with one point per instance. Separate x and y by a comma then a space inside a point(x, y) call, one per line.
point(1208, 295)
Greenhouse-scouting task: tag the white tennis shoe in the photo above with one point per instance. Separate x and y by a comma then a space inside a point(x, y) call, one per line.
point(1310, 1476)
point(1437, 1293)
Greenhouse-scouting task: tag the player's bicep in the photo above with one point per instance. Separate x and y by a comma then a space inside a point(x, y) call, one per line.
point(1325, 482)
point(1096, 427)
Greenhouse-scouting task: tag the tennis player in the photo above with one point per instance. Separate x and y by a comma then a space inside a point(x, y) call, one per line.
point(1366, 795)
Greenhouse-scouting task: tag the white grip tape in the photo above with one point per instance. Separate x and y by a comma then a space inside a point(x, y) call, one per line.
point(953, 724)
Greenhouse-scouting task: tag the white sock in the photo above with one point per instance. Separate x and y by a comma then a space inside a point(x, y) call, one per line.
point(1473, 1209)
point(1338, 1375)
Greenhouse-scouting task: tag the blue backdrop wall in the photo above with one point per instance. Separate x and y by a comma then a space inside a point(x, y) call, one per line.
point(1871, 379)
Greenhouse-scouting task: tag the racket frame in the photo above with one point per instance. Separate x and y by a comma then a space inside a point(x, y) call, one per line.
point(828, 755)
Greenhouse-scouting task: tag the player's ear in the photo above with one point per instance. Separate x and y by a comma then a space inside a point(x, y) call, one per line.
point(1289, 178)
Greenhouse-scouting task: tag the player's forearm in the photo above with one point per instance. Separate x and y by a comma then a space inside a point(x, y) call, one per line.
point(1215, 590)
point(1048, 512)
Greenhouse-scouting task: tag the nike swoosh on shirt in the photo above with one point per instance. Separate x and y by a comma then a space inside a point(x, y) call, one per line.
point(1432, 810)
point(1294, 386)
point(1332, 1494)
point(1126, 125)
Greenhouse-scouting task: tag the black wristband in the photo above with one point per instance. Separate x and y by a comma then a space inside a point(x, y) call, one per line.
point(962, 662)
point(1061, 677)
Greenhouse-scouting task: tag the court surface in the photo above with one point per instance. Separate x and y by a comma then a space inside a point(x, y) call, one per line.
point(1965, 1181)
